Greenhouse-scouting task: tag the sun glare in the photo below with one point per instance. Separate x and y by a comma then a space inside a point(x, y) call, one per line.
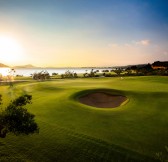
point(4, 71)
point(10, 50)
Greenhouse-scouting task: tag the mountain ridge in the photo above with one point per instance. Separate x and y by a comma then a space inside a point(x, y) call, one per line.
point(3, 65)
point(25, 66)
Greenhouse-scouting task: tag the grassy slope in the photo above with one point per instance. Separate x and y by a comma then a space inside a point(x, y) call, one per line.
point(70, 131)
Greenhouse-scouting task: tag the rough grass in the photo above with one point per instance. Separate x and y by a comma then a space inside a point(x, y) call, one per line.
point(71, 131)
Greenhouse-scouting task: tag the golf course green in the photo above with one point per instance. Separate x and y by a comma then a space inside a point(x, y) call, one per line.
point(137, 130)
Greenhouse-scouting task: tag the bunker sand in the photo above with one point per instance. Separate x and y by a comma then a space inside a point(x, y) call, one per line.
point(102, 100)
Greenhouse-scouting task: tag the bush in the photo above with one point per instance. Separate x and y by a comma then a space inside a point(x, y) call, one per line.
point(41, 76)
point(16, 119)
point(69, 74)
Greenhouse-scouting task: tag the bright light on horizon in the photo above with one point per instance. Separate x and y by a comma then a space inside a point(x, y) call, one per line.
point(90, 33)
point(10, 50)
point(4, 71)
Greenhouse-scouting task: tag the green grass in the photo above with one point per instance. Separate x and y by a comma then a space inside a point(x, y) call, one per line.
point(71, 131)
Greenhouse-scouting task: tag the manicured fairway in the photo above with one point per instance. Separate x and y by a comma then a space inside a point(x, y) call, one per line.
point(71, 131)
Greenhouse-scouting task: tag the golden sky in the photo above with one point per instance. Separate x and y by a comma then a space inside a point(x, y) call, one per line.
point(83, 33)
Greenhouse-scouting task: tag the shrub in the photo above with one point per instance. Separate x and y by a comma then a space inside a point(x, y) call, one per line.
point(16, 119)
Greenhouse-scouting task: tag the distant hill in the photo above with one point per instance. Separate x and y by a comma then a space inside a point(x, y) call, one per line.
point(3, 65)
point(25, 66)
point(155, 65)
point(128, 66)
point(138, 65)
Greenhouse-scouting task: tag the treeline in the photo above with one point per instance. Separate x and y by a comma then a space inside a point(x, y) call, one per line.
point(157, 68)
point(145, 70)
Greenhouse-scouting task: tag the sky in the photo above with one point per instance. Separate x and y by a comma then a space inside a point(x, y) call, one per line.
point(81, 33)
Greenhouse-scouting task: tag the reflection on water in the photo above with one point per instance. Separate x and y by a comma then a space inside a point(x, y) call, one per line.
point(28, 72)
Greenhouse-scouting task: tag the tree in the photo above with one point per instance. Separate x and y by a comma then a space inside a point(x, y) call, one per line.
point(128, 70)
point(16, 119)
point(53, 74)
point(41, 76)
point(85, 75)
point(118, 71)
point(91, 74)
point(145, 70)
point(135, 69)
point(69, 74)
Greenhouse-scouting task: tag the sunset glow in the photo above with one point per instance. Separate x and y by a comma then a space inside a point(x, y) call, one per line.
point(4, 71)
point(10, 50)
point(83, 32)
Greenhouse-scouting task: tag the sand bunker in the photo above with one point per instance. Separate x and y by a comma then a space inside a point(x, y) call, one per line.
point(102, 100)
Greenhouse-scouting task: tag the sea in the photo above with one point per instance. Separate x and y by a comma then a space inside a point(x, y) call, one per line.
point(30, 71)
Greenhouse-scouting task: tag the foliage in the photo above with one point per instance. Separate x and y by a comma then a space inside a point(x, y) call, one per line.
point(129, 71)
point(69, 74)
point(107, 74)
point(105, 71)
point(118, 71)
point(91, 74)
point(16, 119)
point(139, 70)
point(53, 74)
point(146, 70)
point(159, 64)
point(41, 76)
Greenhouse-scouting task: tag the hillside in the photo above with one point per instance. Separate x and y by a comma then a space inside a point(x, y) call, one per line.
point(3, 65)
point(25, 66)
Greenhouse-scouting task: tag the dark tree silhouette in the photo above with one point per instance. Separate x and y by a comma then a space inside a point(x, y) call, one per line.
point(16, 119)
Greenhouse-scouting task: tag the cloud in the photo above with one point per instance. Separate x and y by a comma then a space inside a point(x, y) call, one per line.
point(144, 42)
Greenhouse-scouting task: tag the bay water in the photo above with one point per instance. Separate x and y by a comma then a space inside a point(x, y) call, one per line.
point(29, 71)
